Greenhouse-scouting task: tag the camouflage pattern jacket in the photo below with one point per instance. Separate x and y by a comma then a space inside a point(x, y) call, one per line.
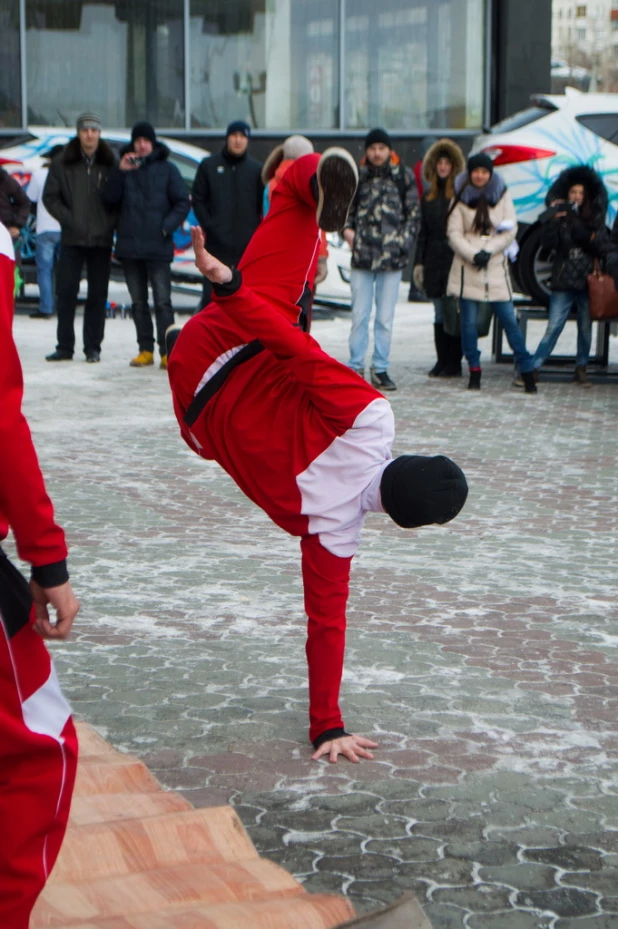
point(384, 216)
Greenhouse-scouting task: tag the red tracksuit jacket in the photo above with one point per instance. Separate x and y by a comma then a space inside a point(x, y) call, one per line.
point(302, 435)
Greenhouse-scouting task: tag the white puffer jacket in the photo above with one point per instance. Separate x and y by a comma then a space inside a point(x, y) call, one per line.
point(493, 282)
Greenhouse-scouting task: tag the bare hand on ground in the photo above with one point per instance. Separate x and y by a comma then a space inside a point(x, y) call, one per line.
point(206, 263)
point(65, 604)
point(352, 747)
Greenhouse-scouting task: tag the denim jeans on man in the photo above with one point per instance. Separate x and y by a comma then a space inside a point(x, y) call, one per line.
point(505, 312)
point(385, 285)
point(139, 272)
point(46, 255)
point(560, 305)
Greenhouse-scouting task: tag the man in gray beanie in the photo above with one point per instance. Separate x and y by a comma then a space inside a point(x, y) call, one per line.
point(72, 195)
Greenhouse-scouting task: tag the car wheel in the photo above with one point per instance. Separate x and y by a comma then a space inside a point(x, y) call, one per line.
point(534, 267)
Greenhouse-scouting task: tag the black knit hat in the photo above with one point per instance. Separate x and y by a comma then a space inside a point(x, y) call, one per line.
point(143, 130)
point(238, 125)
point(376, 136)
point(418, 491)
point(481, 160)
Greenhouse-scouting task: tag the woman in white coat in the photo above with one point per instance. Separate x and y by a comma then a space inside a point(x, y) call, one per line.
point(481, 227)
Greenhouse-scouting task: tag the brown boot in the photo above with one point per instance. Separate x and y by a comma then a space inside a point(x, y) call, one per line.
point(581, 376)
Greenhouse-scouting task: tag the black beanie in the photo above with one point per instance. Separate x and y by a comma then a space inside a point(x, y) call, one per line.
point(143, 130)
point(377, 135)
point(480, 161)
point(238, 125)
point(418, 491)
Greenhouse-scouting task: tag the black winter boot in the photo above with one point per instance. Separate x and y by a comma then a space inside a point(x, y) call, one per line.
point(529, 382)
point(453, 355)
point(440, 338)
point(475, 379)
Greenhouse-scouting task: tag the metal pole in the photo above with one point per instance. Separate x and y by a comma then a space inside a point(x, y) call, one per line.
point(22, 63)
point(341, 65)
point(187, 62)
point(488, 62)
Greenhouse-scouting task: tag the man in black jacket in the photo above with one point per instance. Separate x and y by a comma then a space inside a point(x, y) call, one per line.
point(153, 202)
point(72, 195)
point(227, 198)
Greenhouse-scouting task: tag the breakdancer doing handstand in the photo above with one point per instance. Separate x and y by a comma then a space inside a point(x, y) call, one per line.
point(304, 437)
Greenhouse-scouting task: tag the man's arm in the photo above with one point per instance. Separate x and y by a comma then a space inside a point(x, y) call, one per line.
point(411, 212)
point(326, 585)
point(178, 196)
point(200, 196)
point(52, 197)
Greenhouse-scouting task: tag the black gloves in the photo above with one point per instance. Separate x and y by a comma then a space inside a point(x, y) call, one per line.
point(481, 259)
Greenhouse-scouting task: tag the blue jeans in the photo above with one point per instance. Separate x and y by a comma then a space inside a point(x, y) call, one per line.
point(560, 305)
point(46, 255)
point(505, 312)
point(139, 272)
point(386, 286)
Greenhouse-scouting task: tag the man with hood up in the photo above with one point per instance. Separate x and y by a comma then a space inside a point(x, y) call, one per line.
point(303, 436)
point(153, 202)
point(574, 231)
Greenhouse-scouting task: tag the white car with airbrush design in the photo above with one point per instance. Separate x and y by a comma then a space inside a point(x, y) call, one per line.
point(531, 148)
point(22, 156)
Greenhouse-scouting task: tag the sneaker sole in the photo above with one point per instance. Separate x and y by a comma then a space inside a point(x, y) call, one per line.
point(337, 178)
point(148, 364)
point(171, 335)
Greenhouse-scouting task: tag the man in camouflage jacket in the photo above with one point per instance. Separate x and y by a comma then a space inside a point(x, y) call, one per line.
point(380, 230)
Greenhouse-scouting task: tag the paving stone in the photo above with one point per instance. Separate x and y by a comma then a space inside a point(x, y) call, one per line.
point(487, 852)
point(593, 922)
point(511, 920)
point(521, 876)
point(563, 901)
point(574, 858)
point(481, 898)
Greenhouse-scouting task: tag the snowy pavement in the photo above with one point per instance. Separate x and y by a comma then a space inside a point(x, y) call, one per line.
point(483, 655)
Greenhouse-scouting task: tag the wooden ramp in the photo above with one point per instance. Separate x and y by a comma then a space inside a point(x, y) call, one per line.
point(138, 857)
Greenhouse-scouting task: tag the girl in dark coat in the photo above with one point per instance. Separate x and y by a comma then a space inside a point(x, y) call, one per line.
point(574, 229)
point(442, 163)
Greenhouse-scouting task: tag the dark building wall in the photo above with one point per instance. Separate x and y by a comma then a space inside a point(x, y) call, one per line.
point(521, 54)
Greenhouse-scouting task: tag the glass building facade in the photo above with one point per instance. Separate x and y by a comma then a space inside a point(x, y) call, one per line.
point(330, 66)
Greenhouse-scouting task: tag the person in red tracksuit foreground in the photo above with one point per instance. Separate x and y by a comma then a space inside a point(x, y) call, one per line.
point(303, 436)
point(38, 745)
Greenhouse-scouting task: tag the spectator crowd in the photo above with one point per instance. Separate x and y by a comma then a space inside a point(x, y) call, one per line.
point(454, 220)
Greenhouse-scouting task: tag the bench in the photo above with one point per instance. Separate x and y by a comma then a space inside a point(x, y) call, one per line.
point(525, 310)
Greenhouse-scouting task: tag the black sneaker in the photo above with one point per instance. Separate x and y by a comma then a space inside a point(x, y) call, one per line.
point(59, 356)
point(337, 178)
point(93, 357)
point(382, 381)
point(171, 334)
point(39, 315)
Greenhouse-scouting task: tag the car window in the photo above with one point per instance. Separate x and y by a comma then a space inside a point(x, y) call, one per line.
point(187, 167)
point(16, 140)
point(523, 118)
point(603, 124)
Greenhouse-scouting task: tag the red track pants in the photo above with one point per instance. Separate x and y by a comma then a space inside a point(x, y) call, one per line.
point(38, 760)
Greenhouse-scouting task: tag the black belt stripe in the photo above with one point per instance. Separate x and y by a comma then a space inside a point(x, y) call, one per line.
point(212, 386)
